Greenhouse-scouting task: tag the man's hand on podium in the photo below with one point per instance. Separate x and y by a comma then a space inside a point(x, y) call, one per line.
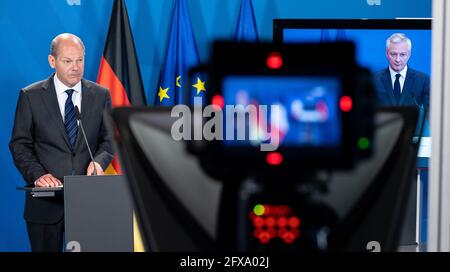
point(48, 180)
point(90, 169)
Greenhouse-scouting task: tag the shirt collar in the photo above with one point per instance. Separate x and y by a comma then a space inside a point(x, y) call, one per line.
point(61, 87)
point(402, 72)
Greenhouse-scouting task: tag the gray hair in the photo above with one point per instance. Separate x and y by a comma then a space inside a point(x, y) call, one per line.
point(398, 38)
point(56, 41)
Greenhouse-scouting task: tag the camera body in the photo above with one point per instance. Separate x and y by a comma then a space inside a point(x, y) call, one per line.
point(285, 109)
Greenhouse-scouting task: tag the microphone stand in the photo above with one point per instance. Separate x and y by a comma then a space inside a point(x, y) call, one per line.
point(78, 115)
point(422, 122)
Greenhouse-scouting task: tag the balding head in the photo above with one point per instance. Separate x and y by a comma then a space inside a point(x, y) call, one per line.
point(64, 39)
point(398, 51)
point(397, 38)
point(67, 58)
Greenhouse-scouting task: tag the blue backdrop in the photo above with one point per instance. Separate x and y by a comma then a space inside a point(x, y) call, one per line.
point(27, 27)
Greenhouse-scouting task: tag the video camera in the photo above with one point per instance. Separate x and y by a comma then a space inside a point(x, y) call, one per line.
point(234, 188)
point(284, 107)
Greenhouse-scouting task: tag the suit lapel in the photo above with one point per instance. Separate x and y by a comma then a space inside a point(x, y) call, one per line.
point(387, 82)
point(407, 87)
point(87, 100)
point(50, 101)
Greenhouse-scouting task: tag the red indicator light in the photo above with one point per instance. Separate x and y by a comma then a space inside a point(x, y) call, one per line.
point(288, 237)
point(270, 222)
point(264, 237)
point(218, 101)
point(282, 222)
point(294, 222)
point(274, 60)
point(275, 222)
point(274, 158)
point(346, 103)
point(258, 222)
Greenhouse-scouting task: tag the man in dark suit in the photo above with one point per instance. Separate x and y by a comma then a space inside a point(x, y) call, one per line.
point(46, 142)
point(399, 85)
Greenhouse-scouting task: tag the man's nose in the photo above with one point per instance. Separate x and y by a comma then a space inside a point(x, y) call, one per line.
point(75, 66)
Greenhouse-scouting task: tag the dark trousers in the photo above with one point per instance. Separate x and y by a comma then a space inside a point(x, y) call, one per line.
point(46, 238)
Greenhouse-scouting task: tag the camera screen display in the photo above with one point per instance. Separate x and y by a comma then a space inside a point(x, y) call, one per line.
point(298, 111)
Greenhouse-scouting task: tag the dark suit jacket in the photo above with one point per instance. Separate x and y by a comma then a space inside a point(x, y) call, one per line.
point(40, 145)
point(415, 92)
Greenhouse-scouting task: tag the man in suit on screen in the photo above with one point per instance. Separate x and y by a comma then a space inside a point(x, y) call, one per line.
point(46, 142)
point(400, 85)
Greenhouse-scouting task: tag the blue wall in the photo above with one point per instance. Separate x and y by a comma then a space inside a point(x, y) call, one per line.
point(27, 27)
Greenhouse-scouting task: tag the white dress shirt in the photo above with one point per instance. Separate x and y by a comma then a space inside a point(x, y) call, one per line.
point(401, 79)
point(62, 95)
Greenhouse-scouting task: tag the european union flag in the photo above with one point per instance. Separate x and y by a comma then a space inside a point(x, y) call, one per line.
point(181, 55)
point(246, 26)
point(341, 35)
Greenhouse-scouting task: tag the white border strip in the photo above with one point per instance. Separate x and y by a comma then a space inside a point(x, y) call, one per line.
point(439, 182)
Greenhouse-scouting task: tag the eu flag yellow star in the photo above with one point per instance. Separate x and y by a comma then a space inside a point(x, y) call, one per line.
point(163, 94)
point(200, 86)
point(177, 82)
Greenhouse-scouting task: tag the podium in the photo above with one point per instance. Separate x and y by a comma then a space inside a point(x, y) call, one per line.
point(422, 190)
point(98, 214)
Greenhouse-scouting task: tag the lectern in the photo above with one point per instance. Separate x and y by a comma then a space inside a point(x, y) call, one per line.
point(98, 214)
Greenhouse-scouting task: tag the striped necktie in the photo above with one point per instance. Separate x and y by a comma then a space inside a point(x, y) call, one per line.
point(70, 122)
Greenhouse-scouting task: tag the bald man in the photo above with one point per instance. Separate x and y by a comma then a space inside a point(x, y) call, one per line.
point(46, 143)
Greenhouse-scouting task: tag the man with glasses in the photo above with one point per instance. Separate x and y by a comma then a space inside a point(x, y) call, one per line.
point(400, 85)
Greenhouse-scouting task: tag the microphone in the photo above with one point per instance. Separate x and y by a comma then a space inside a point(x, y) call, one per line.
point(78, 116)
point(422, 121)
point(415, 100)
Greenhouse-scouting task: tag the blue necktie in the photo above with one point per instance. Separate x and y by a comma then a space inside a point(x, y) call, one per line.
point(397, 87)
point(70, 122)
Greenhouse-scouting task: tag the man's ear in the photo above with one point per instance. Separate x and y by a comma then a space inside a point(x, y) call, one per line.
point(51, 61)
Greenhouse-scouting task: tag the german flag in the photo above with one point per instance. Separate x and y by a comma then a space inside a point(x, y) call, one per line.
point(119, 72)
point(119, 67)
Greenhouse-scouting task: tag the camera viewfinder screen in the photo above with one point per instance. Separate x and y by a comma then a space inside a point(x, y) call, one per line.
point(300, 111)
